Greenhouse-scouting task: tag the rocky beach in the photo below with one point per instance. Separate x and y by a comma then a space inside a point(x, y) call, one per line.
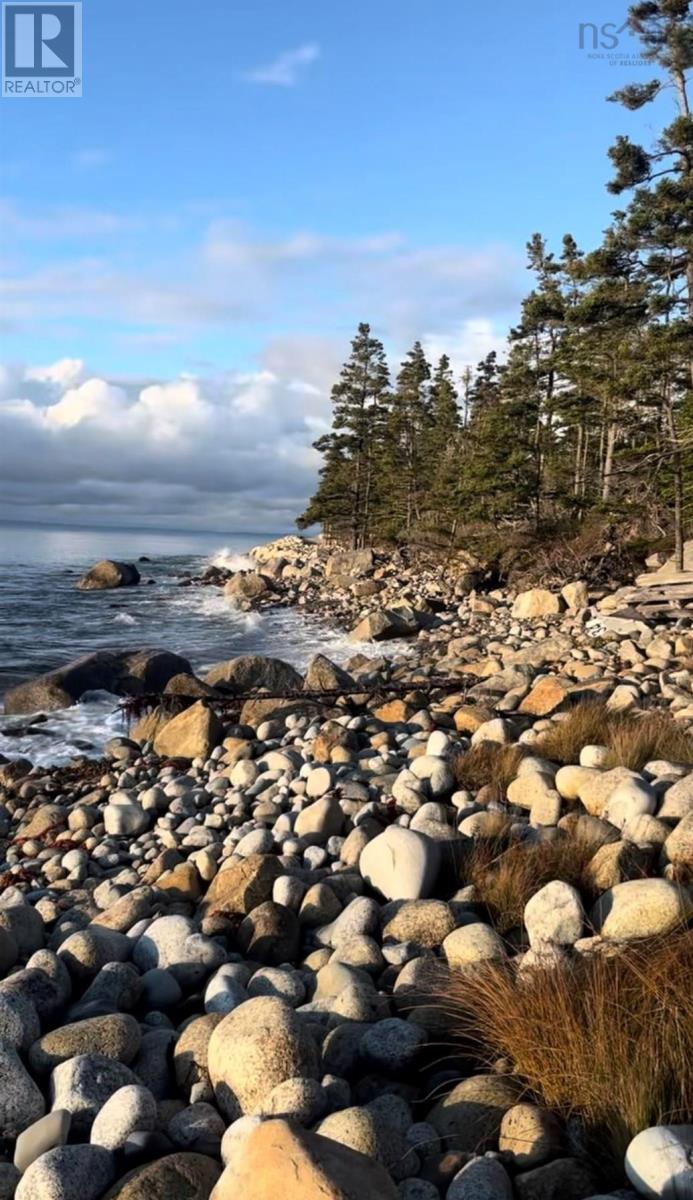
point(414, 925)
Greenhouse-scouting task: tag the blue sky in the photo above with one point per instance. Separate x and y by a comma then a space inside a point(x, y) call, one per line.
point(241, 183)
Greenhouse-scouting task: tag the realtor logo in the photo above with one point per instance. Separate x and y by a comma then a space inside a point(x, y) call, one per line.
point(42, 49)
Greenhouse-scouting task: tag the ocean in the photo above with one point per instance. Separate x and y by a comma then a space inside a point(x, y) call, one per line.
point(45, 621)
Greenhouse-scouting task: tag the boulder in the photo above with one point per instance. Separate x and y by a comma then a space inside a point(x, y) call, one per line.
point(641, 908)
point(537, 602)
point(242, 886)
point(257, 1046)
point(401, 864)
point(192, 734)
point(324, 675)
point(21, 1102)
point(173, 944)
point(382, 626)
point(350, 562)
point(270, 934)
point(277, 1158)
point(576, 595)
point(546, 696)
point(127, 673)
point(554, 914)
point(174, 1177)
point(250, 671)
point(659, 1162)
point(68, 1173)
point(469, 1117)
point(248, 586)
point(109, 574)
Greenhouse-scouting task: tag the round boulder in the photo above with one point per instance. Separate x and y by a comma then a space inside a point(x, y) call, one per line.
point(257, 1046)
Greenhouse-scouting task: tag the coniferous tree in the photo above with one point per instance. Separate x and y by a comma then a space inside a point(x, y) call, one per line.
point(347, 496)
point(408, 428)
point(443, 447)
point(659, 220)
point(592, 408)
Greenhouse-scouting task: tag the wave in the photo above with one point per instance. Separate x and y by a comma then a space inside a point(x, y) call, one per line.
point(125, 619)
point(230, 560)
point(66, 733)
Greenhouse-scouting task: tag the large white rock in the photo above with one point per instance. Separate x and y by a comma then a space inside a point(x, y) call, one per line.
point(401, 864)
point(632, 798)
point(125, 820)
point(659, 1162)
point(554, 914)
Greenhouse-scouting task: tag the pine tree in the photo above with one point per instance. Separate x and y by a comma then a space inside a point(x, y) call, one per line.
point(443, 448)
point(408, 428)
point(660, 216)
point(347, 496)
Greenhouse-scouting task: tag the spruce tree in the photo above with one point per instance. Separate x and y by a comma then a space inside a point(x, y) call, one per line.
point(659, 219)
point(347, 496)
point(443, 448)
point(408, 428)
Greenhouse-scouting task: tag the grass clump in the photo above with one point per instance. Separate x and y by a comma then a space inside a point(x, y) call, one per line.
point(488, 764)
point(632, 739)
point(506, 874)
point(606, 1038)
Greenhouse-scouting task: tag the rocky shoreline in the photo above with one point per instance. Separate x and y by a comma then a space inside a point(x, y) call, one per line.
point(266, 944)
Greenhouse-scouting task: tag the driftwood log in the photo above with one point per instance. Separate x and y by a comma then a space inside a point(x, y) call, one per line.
point(134, 707)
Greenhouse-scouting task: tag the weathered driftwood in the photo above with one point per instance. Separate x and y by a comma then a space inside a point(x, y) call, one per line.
point(137, 706)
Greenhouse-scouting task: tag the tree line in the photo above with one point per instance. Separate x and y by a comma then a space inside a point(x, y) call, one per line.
point(591, 409)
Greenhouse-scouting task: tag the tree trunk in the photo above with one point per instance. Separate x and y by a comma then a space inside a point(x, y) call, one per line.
point(677, 468)
point(611, 435)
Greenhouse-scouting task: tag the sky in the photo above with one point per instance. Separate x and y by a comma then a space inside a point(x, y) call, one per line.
point(187, 249)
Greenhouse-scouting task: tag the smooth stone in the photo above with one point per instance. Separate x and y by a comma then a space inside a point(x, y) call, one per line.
point(82, 1085)
point(45, 1134)
point(641, 908)
point(68, 1173)
point(321, 1169)
point(401, 864)
point(473, 943)
point(392, 1044)
point(554, 914)
point(659, 1162)
point(117, 1036)
point(481, 1179)
point(174, 1177)
point(174, 944)
point(259, 1045)
point(129, 1109)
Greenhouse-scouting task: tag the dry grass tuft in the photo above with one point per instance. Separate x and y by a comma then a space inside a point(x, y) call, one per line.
point(507, 874)
point(632, 739)
point(608, 1039)
point(488, 764)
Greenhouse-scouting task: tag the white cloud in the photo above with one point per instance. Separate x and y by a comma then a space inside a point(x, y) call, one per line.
point(467, 345)
point(66, 373)
point(233, 447)
point(287, 68)
point(229, 449)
